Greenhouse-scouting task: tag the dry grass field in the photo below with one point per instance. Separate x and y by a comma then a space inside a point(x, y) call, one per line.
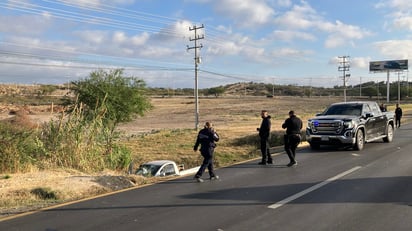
point(171, 125)
point(166, 132)
point(232, 115)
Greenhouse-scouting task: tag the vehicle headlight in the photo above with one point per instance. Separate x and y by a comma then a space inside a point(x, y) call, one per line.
point(311, 124)
point(348, 124)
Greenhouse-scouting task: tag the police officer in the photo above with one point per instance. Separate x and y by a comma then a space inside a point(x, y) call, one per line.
point(264, 134)
point(206, 138)
point(398, 115)
point(292, 138)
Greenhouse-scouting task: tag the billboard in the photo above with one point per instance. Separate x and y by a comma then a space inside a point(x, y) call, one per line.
point(389, 65)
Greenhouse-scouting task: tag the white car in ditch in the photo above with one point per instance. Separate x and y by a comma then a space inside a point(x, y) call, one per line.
point(159, 168)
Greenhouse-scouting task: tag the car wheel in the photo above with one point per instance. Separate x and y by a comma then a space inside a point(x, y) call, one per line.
point(389, 134)
point(360, 140)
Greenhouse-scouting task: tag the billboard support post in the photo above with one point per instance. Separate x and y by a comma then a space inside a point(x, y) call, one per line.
point(388, 87)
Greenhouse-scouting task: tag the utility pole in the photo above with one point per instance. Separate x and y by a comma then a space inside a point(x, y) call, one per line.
point(407, 84)
point(377, 90)
point(273, 88)
point(388, 86)
point(399, 88)
point(360, 87)
point(310, 87)
point(197, 62)
point(344, 67)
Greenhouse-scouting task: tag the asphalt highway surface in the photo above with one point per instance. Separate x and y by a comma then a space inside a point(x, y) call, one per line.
point(329, 189)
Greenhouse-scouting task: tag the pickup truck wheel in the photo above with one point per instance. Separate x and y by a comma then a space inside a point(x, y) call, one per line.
point(360, 141)
point(314, 146)
point(389, 134)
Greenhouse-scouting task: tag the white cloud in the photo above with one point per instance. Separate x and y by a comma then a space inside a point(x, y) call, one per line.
point(399, 14)
point(398, 5)
point(177, 31)
point(98, 2)
point(334, 60)
point(119, 37)
point(181, 29)
point(140, 40)
point(287, 35)
point(257, 54)
point(396, 49)
point(403, 22)
point(299, 17)
point(304, 17)
point(159, 52)
point(335, 40)
point(246, 13)
point(290, 52)
point(92, 36)
point(225, 48)
point(25, 24)
point(341, 34)
point(360, 62)
point(86, 2)
point(284, 3)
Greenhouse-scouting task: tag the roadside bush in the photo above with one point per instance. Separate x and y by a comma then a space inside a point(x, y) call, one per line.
point(71, 142)
point(123, 98)
point(18, 148)
point(119, 158)
point(83, 144)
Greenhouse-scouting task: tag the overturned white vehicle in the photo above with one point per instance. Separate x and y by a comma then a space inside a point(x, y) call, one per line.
point(159, 168)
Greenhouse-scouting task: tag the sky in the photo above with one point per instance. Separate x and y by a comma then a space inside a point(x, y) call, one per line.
point(265, 41)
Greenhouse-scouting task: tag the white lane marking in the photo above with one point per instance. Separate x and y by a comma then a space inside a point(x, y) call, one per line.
point(306, 191)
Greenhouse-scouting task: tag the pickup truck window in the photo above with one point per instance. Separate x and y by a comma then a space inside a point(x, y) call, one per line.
point(367, 109)
point(375, 109)
point(344, 109)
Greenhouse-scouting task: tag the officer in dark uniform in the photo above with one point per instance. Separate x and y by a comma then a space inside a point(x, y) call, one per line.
point(398, 115)
point(292, 138)
point(264, 134)
point(206, 139)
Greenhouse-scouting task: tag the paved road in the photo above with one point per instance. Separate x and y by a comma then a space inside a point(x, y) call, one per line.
point(329, 190)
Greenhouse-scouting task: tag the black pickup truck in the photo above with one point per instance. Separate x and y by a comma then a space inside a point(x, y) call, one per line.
point(350, 124)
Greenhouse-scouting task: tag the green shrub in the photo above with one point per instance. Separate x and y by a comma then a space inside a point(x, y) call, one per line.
point(84, 144)
point(17, 147)
point(71, 142)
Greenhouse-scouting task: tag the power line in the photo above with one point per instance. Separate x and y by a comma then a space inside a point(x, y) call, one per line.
point(97, 20)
